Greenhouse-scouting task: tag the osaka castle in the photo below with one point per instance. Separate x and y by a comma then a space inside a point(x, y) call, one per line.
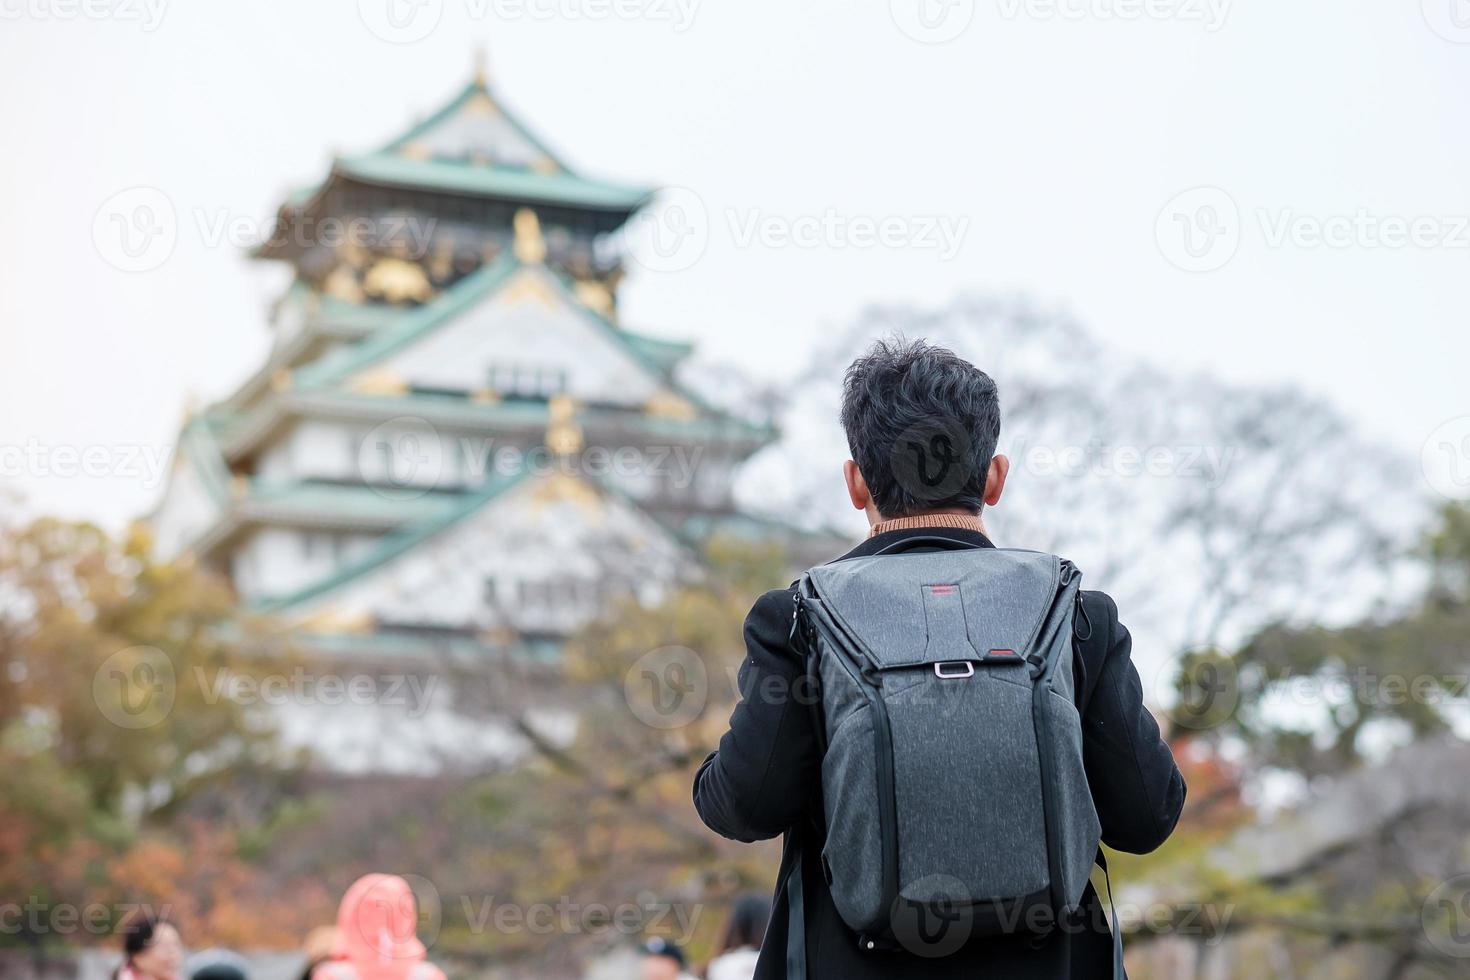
point(455, 445)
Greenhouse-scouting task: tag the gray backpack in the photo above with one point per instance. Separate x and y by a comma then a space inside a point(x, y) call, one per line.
point(953, 789)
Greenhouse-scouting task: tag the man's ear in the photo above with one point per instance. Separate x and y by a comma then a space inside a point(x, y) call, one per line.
point(995, 479)
point(857, 487)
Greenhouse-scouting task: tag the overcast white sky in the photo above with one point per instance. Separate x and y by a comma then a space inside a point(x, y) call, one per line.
point(1052, 139)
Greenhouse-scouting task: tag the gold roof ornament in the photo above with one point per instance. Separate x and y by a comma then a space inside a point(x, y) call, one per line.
point(352, 254)
point(530, 247)
point(397, 281)
point(342, 284)
point(596, 295)
point(281, 379)
point(415, 150)
point(565, 488)
point(666, 404)
point(563, 434)
point(528, 287)
point(482, 64)
point(378, 381)
point(480, 104)
point(441, 262)
point(338, 621)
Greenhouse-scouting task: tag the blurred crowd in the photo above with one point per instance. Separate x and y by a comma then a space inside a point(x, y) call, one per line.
point(375, 938)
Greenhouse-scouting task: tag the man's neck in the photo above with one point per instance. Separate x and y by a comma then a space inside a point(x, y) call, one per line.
point(955, 519)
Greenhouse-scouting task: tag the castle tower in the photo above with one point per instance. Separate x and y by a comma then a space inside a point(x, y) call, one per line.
point(453, 442)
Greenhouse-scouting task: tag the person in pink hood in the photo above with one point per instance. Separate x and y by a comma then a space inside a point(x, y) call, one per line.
point(377, 934)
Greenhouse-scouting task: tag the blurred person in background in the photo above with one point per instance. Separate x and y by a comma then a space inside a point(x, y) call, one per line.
point(376, 937)
point(318, 948)
point(740, 947)
point(152, 950)
point(663, 960)
point(218, 964)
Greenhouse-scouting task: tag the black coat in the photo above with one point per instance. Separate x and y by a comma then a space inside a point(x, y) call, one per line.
point(760, 781)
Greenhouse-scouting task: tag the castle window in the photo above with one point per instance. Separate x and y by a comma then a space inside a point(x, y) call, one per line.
point(527, 380)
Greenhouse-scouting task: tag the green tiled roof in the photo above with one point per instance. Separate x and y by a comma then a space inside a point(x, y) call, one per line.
point(502, 182)
point(409, 326)
point(396, 543)
point(336, 502)
point(668, 353)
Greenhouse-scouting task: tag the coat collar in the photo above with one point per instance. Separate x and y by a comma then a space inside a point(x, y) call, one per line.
point(885, 538)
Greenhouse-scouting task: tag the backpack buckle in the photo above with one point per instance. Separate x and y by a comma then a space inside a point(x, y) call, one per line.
point(939, 670)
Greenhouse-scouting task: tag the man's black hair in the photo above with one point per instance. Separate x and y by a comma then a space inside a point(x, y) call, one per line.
point(138, 932)
point(922, 424)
